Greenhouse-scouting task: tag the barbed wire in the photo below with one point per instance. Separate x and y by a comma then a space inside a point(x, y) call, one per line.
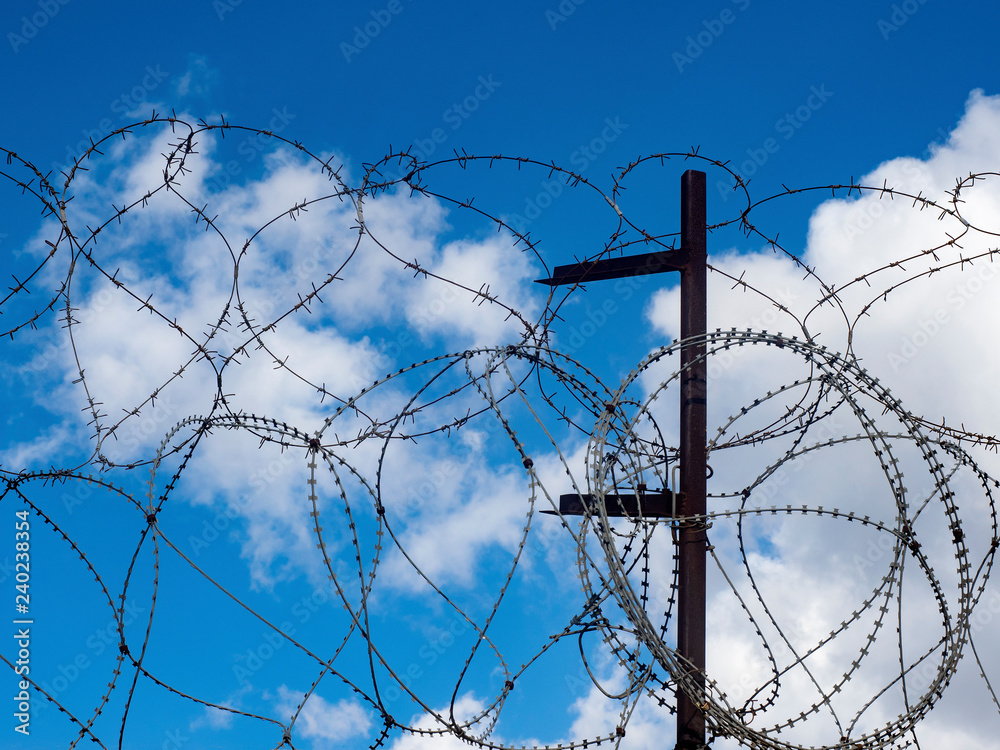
point(546, 403)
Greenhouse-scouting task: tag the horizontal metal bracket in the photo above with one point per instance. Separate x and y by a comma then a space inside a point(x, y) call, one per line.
point(617, 268)
point(619, 505)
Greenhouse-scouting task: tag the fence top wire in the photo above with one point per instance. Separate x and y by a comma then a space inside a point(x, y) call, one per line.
point(862, 680)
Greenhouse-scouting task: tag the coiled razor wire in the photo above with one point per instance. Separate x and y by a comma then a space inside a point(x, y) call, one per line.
point(538, 397)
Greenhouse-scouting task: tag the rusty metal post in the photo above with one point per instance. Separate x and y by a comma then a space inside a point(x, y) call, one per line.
point(691, 261)
point(692, 536)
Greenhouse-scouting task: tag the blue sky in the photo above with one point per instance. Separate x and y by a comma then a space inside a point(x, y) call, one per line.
point(227, 597)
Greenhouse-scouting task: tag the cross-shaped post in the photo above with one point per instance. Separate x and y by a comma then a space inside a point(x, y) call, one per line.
point(691, 261)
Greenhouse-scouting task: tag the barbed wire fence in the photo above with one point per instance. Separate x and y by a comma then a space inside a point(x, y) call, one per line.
point(539, 398)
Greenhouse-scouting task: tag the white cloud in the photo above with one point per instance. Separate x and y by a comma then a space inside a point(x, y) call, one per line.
point(929, 342)
point(465, 708)
point(478, 508)
point(216, 718)
point(198, 79)
point(327, 724)
point(334, 343)
point(490, 266)
point(40, 451)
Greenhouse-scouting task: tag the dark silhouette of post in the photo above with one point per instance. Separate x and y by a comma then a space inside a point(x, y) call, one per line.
point(692, 537)
point(691, 261)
